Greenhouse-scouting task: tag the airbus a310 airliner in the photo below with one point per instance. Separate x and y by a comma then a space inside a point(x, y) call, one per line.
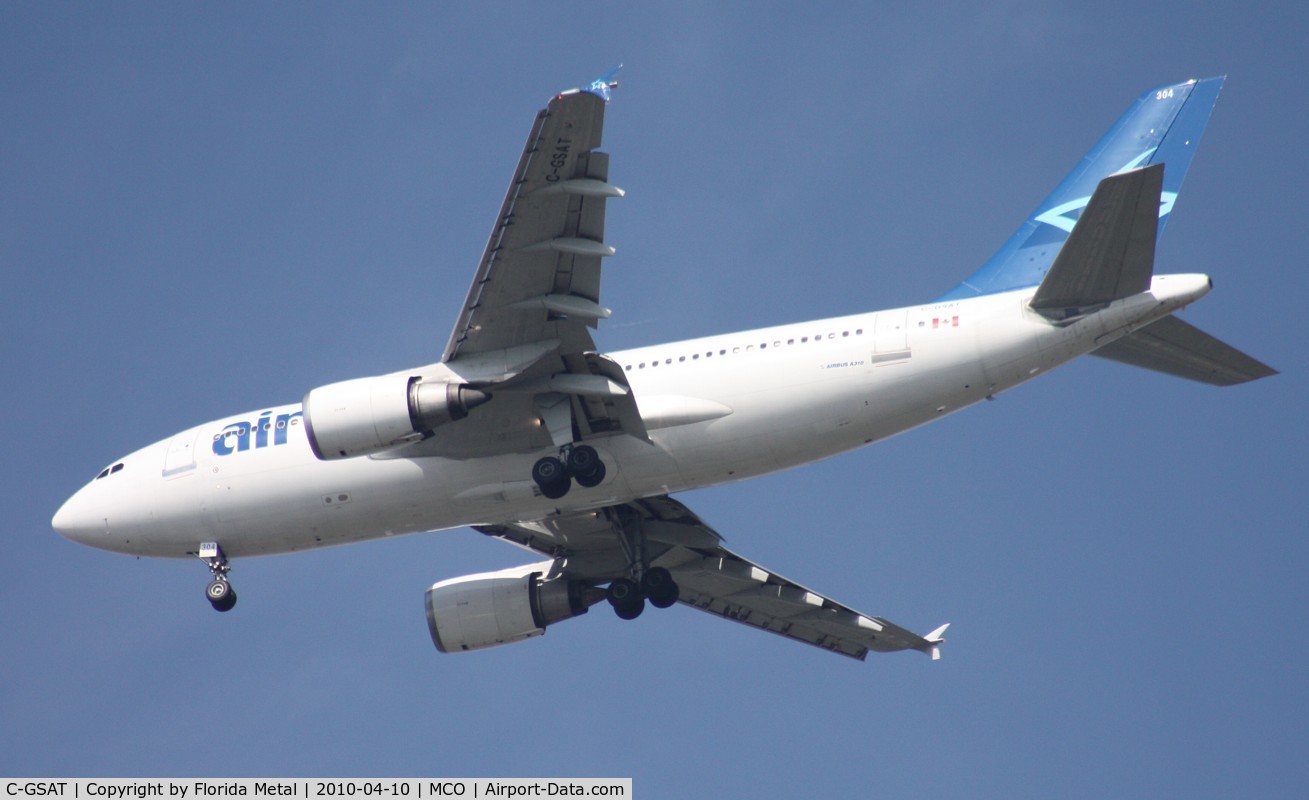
point(527, 432)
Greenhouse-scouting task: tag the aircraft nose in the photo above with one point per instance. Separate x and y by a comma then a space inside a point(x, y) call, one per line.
point(78, 520)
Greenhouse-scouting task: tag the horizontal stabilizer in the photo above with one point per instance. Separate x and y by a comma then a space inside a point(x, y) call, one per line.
point(934, 640)
point(1110, 253)
point(1179, 348)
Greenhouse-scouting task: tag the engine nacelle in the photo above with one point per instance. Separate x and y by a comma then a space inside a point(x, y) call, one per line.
point(494, 608)
point(369, 415)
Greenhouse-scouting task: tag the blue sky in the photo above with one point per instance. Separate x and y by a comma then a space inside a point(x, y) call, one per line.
point(206, 209)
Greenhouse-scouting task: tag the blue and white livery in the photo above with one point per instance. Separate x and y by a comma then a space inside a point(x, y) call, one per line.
point(525, 430)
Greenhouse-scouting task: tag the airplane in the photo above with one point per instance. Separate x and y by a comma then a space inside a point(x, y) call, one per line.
point(526, 432)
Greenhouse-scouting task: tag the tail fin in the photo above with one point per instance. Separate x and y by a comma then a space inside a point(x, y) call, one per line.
point(1164, 125)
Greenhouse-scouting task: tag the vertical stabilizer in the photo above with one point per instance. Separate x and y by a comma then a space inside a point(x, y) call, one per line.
point(1164, 125)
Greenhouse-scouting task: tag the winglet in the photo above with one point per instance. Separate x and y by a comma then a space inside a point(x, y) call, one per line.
point(600, 87)
point(934, 640)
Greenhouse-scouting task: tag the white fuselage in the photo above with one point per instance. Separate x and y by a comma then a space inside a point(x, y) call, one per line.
point(795, 393)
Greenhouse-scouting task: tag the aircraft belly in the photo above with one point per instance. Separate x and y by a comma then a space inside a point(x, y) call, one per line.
point(295, 503)
point(180, 515)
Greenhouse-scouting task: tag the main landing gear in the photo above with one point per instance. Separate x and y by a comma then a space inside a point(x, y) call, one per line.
point(628, 596)
point(220, 593)
point(581, 463)
point(656, 584)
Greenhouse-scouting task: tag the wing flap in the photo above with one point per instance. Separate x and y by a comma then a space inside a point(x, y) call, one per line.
point(1178, 348)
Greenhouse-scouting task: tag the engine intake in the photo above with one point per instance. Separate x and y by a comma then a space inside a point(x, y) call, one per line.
point(494, 608)
point(369, 415)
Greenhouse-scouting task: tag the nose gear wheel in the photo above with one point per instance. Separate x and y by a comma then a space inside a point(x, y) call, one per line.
point(219, 592)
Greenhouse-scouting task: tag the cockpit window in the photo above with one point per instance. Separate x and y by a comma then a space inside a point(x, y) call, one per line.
point(110, 470)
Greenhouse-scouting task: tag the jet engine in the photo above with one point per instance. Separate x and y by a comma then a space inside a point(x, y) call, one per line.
point(369, 415)
point(494, 608)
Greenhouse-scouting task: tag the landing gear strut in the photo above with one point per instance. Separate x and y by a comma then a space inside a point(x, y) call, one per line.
point(580, 462)
point(220, 593)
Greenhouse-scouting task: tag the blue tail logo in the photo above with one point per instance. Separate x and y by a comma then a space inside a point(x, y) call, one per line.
point(1163, 126)
point(1061, 215)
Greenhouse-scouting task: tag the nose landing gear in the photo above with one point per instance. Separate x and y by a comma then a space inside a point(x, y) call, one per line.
point(219, 592)
point(581, 463)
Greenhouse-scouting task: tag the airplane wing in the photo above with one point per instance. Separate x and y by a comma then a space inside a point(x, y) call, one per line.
point(539, 277)
point(523, 331)
point(597, 546)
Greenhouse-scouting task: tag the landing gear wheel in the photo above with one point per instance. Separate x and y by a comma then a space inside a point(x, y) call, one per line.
point(594, 478)
point(221, 595)
point(631, 610)
point(659, 586)
point(551, 476)
point(585, 465)
point(219, 592)
point(626, 598)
